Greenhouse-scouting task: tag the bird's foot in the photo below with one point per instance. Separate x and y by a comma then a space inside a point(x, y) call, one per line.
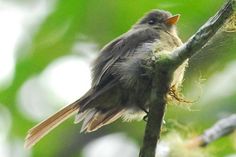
point(145, 118)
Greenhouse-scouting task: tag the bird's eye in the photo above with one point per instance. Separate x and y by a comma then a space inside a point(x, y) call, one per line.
point(151, 22)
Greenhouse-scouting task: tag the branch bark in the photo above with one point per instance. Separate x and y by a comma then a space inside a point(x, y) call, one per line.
point(156, 113)
point(204, 34)
point(164, 66)
point(221, 128)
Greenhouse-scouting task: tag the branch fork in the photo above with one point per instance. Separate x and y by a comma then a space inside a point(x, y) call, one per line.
point(164, 66)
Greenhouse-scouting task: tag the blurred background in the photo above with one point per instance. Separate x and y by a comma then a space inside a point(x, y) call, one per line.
point(45, 54)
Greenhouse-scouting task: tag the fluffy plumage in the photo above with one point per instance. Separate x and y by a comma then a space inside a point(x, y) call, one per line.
point(120, 86)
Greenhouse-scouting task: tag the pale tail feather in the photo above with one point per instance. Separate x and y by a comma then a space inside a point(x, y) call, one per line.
point(43, 128)
point(89, 116)
point(80, 116)
point(101, 119)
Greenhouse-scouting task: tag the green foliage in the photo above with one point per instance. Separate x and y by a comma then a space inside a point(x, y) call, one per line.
point(101, 21)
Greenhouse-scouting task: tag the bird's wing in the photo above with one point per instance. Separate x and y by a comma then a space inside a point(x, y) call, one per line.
point(117, 50)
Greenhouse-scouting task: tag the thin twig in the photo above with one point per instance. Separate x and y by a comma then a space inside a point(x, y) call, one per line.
point(221, 128)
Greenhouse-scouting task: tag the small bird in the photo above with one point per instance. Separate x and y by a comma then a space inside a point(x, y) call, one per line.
point(120, 87)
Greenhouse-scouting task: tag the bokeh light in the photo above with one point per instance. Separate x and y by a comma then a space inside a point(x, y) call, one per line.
point(46, 52)
point(121, 145)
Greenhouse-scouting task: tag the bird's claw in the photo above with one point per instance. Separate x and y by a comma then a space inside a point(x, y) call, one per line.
point(145, 118)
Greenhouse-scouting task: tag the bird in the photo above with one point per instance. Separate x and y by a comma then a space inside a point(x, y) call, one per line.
point(120, 86)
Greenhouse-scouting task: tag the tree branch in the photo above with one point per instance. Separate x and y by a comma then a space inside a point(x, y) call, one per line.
point(156, 113)
point(221, 128)
point(204, 34)
point(164, 66)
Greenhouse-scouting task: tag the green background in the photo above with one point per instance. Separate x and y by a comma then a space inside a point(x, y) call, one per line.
point(101, 21)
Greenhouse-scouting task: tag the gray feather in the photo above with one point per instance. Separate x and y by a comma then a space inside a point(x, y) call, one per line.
point(118, 50)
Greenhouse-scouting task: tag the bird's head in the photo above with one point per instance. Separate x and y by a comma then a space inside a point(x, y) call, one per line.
point(158, 19)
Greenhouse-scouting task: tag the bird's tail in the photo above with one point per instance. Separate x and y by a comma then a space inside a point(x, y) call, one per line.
point(43, 128)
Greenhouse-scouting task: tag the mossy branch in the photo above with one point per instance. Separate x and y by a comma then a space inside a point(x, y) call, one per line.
point(164, 67)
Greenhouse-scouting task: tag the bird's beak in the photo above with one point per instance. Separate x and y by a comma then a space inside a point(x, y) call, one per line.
point(172, 20)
